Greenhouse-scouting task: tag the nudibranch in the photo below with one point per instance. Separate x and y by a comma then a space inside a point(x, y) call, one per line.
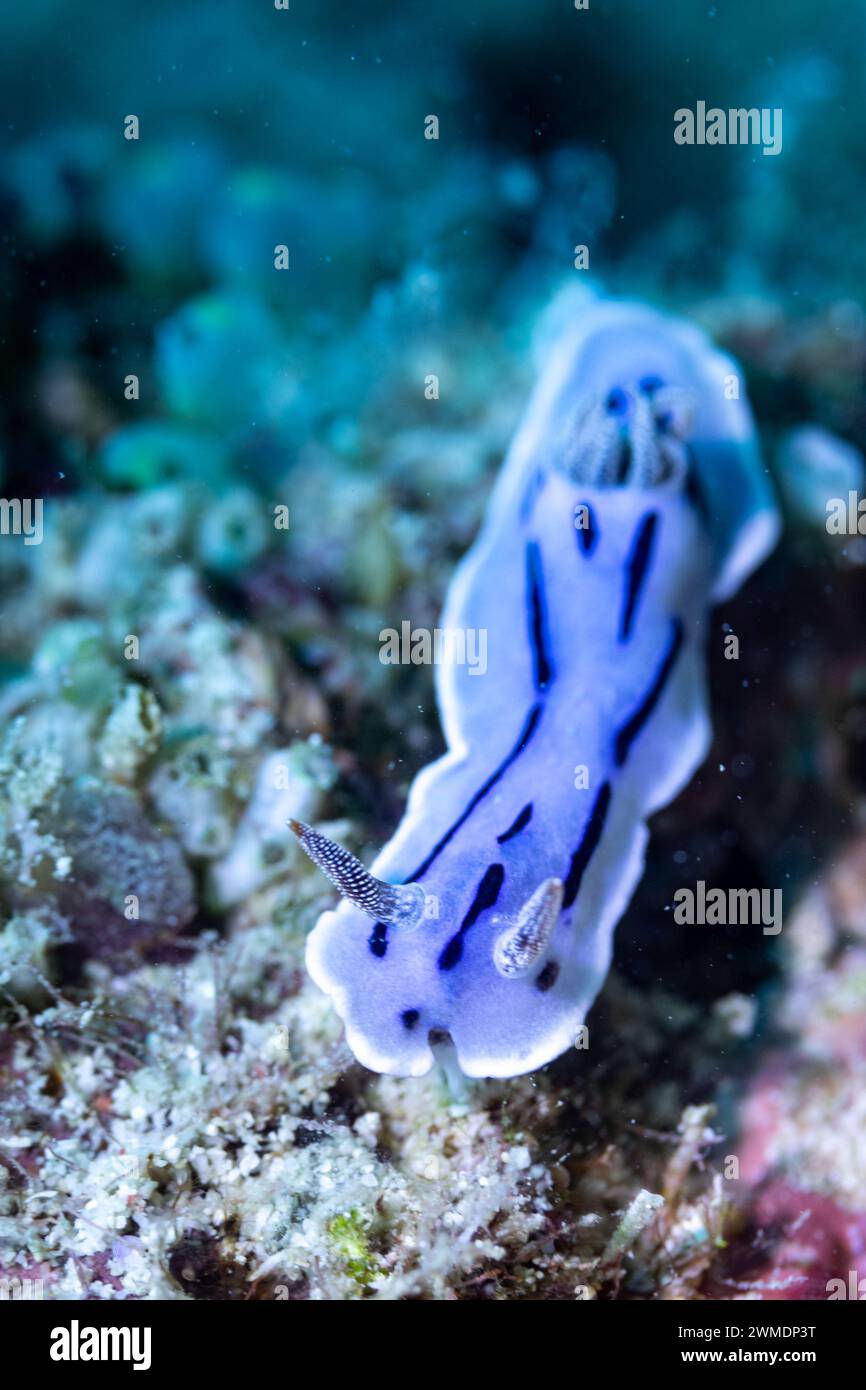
point(632, 498)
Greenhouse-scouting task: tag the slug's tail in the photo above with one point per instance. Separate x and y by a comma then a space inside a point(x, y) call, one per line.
point(604, 345)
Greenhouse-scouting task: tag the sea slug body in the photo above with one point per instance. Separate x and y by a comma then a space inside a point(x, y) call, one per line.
point(632, 498)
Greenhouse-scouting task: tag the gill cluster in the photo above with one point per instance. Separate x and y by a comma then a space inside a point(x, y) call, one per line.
point(403, 905)
point(633, 437)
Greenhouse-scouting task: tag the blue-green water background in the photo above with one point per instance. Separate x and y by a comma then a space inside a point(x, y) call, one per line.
point(305, 127)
